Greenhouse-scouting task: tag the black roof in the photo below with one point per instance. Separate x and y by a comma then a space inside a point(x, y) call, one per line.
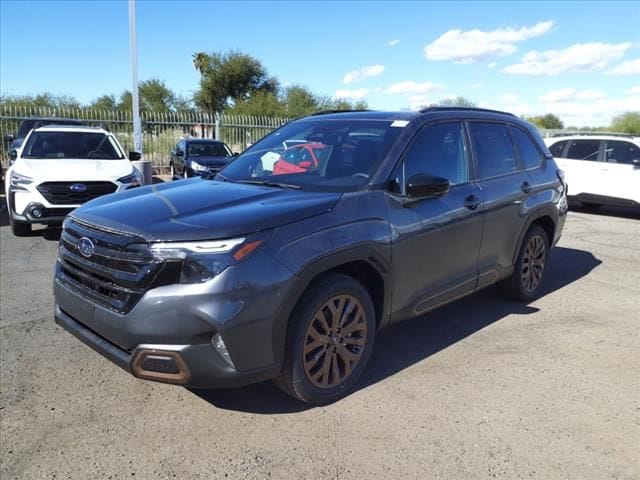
point(403, 115)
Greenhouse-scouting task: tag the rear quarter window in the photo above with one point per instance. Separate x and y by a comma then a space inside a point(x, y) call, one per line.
point(557, 148)
point(529, 154)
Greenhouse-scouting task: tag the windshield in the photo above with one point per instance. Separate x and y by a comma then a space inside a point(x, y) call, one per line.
point(316, 154)
point(97, 146)
point(209, 149)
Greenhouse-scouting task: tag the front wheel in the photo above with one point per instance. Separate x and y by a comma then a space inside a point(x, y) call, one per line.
point(329, 340)
point(526, 281)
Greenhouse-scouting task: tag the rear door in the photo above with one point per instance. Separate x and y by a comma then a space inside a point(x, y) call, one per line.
point(436, 240)
point(621, 178)
point(505, 188)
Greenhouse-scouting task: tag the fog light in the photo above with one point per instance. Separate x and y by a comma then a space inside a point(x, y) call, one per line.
point(36, 212)
point(219, 345)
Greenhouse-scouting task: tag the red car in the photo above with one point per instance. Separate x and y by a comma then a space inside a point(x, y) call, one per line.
point(299, 158)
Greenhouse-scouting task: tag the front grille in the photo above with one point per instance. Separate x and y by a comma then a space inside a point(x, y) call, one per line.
point(62, 193)
point(118, 272)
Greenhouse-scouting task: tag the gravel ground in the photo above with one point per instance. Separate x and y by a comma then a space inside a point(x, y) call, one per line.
point(483, 388)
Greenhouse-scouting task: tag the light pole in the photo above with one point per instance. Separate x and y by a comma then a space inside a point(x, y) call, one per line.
point(137, 124)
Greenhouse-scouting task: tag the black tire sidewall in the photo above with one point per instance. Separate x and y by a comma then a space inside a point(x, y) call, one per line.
point(309, 305)
point(520, 291)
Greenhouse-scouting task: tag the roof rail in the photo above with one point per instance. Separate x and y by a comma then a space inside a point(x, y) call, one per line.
point(471, 109)
point(570, 133)
point(327, 112)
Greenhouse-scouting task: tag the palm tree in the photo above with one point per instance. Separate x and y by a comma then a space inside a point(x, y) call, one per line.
point(200, 62)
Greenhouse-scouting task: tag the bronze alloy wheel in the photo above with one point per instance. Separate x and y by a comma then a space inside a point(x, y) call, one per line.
point(334, 341)
point(533, 263)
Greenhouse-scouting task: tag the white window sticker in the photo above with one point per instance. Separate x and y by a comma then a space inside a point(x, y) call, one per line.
point(400, 123)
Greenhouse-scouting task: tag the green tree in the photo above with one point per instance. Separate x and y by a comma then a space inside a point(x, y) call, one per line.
point(628, 122)
point(229, 78)
point(260, 103)
point(105, 102)
point(154, 96)
point(548, 121)
point(43, 100)
point(458, 101)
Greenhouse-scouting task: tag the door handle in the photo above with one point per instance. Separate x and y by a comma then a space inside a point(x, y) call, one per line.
point(525, 187)
point(471, 202)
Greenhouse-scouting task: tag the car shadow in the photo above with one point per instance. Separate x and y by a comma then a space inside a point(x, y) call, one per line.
point(412, 341)
point(606, 210)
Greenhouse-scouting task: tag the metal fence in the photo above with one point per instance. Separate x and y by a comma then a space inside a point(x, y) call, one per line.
point(161, 131)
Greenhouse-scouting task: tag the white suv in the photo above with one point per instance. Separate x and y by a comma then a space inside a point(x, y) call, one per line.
point(60, 167)
point(599, 168)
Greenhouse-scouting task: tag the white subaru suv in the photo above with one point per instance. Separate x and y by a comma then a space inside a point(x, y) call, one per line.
point(58, 168)
point(600, 169)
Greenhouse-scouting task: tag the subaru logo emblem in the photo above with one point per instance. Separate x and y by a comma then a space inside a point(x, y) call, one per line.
point(86, 247)
point(78, 187)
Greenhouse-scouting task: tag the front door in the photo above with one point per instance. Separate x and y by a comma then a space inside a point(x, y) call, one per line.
point(435, 240)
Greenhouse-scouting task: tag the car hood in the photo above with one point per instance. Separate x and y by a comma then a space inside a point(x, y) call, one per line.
point(198, 209)
point(66, 169)
point(210, 161)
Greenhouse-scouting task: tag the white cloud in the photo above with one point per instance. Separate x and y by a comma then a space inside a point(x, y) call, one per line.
point(492, 65)
point(633, 91)
point(475, 85)
point(581, 57)
point(511, 102)
point(591, 113)
point(570, 94)
point(360, 74)
point(356, 94)
point(410, 87)
point(394, 42)
point(416, 102)
point(473, 45)
point(629, 67)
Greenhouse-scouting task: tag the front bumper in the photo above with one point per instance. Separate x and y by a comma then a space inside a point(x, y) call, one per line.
point(175, 325)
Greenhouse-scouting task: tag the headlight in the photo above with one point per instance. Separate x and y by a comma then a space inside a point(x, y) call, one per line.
point(134, 179)
point(196, 167)
point(18, 180)
point(201, 261)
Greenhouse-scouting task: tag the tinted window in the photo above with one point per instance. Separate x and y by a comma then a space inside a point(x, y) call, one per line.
point(529, 154)
point(583, 149)
point(438, 150)
point(618, 151)
point(209, 149)
point(557, 148)
point(70, 145)
point(494, 150)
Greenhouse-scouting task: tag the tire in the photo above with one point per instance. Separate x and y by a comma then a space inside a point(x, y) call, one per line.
point(325, 373)
point(19, 229)
point(525, 282)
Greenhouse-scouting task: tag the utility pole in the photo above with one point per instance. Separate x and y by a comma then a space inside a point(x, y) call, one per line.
point(137, 124)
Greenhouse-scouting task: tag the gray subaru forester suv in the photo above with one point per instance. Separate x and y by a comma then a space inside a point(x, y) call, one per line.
point(286, 263)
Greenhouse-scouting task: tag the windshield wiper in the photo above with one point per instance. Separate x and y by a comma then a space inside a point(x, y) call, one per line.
point(267, 183)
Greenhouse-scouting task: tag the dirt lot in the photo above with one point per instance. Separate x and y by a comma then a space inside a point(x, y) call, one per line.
point(480, 389)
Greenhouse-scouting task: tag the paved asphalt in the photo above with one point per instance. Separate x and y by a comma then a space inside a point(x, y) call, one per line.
point(480, 389)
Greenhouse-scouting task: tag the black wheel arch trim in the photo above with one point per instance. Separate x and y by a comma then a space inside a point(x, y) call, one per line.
point(364, 253)
point(538, 213)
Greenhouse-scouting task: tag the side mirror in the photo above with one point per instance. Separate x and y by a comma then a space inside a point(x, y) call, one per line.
point(426, 186)
point(133, 156)
point(9, 137)
point(13, 154)
point(179, 153)
point(235, 154)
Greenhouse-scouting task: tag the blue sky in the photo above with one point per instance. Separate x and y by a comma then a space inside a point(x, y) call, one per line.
point(580, 60)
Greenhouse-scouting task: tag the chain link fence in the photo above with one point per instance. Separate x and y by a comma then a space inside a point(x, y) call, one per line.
point(161, 131)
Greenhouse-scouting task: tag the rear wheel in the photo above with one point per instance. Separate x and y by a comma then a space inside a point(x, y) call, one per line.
point(329, 340)
point(531, 265)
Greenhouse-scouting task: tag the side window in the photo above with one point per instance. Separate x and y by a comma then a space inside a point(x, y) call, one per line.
point(179, 147)
point(583, 149)
point(617, 151)
point(494, 150)
point(439, 150)
point(557, 148)
point(529, 154)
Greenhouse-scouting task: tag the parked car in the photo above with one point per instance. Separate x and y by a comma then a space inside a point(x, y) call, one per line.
point(601, 169)
point(197, 157)
point(251, 276)
point(60, 167)
point(299, 158)
point(28, 124)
